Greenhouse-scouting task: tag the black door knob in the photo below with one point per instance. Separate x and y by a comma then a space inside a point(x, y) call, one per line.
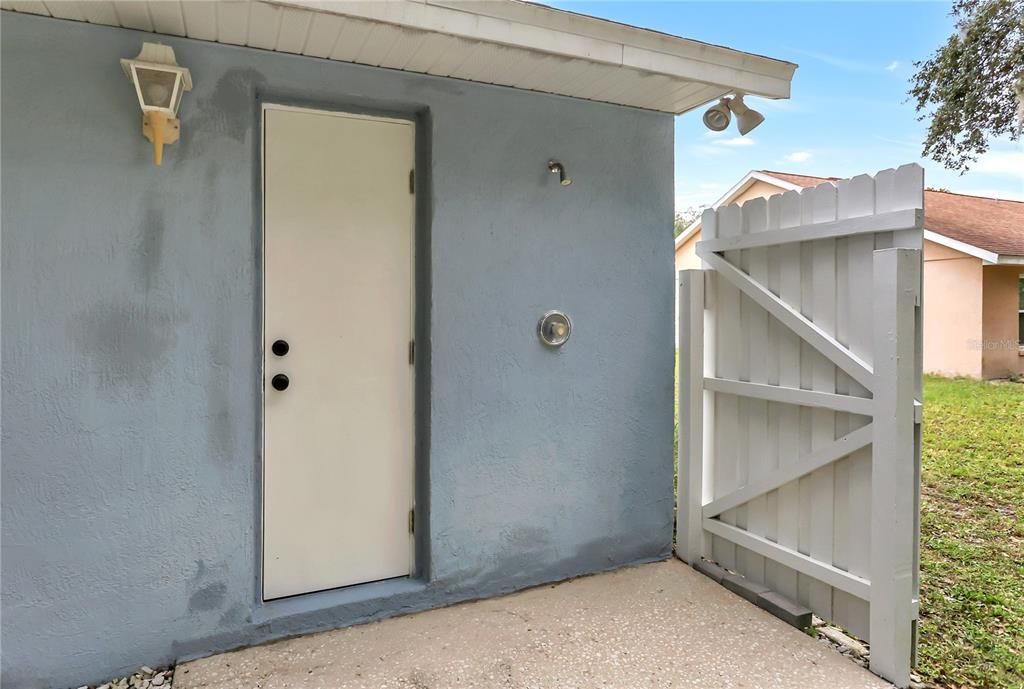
point(280, 381)
point(279, 348)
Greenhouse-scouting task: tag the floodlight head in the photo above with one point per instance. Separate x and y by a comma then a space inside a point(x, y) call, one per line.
point(716, 118)
point(746, 118)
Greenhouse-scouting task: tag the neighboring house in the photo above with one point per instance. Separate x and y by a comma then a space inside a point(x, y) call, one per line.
point(973, 274)
point(280, 383)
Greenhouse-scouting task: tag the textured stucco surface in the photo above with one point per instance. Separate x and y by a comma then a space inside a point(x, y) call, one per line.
point(953, 299)
point(1001, 355)
point(130, 306)
point(657, 625)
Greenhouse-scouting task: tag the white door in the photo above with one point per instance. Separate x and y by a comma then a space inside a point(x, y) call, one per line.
point(338, 289)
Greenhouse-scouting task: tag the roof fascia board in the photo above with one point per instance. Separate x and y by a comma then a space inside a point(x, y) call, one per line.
point(632, 37)
point(788, 186)
point(962, 247)
point(691, 230)
point(696, 61)
point(650, 39)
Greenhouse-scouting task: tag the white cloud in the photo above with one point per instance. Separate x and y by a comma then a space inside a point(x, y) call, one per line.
point(904, 142)
point(848, 64)
point(993, 193)
point(843, 63)
point(1001, 163)
point(799, 156)
point(736, 141)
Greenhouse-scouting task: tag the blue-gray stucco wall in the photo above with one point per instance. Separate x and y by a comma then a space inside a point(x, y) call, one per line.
point(130, 302)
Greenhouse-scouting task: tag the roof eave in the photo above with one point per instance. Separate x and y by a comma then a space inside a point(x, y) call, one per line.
point(1008, 260)
point(506, 43)
point(528, 26)
point(986, 256)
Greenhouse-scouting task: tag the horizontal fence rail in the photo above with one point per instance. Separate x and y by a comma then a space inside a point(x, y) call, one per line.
point(799, 402)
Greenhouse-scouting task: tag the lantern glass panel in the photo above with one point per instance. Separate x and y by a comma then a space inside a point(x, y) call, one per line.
point(177, 98)
point(156, 87)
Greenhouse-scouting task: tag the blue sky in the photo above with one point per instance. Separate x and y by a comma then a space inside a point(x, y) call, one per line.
point(848, 113)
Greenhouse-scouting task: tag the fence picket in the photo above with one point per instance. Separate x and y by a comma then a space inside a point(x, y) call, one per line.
point(789, 376)
point(811, 334)
point(823, 379)
point(856, 198)
point(690, 487)
point(755, 328)
point(728, 353)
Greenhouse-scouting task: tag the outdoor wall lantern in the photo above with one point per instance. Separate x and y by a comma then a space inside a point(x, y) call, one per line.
point(557, 168)
point(554, 328)
point(717, 117)
point(159, 84)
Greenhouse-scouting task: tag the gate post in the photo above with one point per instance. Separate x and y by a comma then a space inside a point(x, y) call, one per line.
point(690, 493)
point(896, 290)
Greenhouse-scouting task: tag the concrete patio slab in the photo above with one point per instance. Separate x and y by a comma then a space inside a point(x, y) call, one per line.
point(656, 625)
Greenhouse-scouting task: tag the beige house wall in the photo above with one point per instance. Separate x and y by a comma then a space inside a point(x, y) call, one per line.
point(1000, 354)
point(686, 254)
point(952, 312)
point(757, 190)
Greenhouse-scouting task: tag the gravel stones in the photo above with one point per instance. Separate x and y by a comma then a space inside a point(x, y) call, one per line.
point(854, 649)
point(145, 678)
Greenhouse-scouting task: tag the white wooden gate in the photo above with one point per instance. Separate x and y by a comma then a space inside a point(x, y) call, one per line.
point(799, 420)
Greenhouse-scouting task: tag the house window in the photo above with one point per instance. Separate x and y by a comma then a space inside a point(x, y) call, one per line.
point(1020, 312)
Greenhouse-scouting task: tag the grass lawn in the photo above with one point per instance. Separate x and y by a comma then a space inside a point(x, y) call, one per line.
point(972, 534)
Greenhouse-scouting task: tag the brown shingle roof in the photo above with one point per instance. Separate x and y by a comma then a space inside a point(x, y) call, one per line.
point(995, 225)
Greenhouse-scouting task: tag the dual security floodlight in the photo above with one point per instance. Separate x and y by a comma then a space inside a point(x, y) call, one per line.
point(716, 118)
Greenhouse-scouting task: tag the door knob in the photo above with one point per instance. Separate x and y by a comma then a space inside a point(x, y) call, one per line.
point(279, 348)
point(280, 381)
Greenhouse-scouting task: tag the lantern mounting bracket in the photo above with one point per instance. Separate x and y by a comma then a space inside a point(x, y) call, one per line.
point(159, 85)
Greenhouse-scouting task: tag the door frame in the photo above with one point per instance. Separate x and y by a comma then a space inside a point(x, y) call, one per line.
point(419, 119)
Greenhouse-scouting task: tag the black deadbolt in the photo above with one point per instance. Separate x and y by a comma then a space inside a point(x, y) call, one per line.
point(280, 381)
point(279, 348)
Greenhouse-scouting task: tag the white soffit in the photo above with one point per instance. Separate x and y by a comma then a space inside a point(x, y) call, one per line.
point(504, 42)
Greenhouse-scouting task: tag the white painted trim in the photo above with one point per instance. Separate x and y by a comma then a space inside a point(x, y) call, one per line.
point(806, 464)
point(339, 113)
point(691, 230)
point(582, 37)
point(962, 247)
point(893, 221)
point(765, 177)
point(737, 189)
point(693, 490)
point(893, 467)
point(833, 576)
point(787, 395)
